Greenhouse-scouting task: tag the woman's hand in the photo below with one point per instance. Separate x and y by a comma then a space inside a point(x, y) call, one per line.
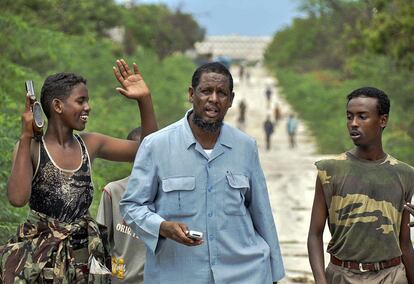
point(133, 84)
point(27, 121)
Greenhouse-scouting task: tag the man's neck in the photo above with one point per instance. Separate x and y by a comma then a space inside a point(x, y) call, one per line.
point(369, 154)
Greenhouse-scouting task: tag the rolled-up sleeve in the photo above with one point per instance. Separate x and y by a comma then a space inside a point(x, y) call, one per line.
point(262, 217)
point(137, 204)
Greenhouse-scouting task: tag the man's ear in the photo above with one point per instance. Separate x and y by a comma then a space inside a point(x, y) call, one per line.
point(383, 120)
point(231, 99)
point(190, 94)
point(57, 106)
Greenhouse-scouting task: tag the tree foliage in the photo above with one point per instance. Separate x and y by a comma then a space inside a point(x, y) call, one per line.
point(70, 17)
point(161, 30)
point(390, 31)
point(341, 45)
point(154, 27)
point(37, 41)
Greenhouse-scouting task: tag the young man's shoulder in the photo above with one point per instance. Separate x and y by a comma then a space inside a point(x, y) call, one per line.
point(336, 159)
point(116, 186)
point(399, 165)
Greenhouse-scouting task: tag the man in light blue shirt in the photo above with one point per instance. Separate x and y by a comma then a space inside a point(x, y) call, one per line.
point(201, 174)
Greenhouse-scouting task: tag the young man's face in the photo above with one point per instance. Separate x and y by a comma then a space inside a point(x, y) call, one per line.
point(75, 109)
point(363, 121)
point(211, 98)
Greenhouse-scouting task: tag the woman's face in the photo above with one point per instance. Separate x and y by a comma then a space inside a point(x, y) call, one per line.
point(76, 108)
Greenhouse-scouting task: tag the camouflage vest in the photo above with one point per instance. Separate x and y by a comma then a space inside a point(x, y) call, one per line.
point(365, 203)
point(42, 252)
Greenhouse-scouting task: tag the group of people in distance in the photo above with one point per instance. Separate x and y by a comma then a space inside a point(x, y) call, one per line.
point(269, 126)
point(197, 174)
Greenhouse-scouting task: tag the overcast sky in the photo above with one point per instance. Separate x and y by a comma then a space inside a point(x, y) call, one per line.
point(241, 17)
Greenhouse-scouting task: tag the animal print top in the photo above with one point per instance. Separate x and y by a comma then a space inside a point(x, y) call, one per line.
point(62, 194)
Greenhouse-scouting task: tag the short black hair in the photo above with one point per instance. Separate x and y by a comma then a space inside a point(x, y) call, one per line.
point(383, 102)
point(212, 67)
point(135, 134)
point(58, 86)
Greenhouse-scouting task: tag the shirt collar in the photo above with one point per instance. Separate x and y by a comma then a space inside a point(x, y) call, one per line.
point(188, 136)
point(225, 138)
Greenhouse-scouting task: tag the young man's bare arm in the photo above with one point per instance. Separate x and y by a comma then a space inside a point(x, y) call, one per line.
point(410, 208)
point(407, 247)
point(315, 236)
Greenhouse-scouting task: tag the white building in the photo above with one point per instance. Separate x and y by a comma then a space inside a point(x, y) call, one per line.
point(235, 47)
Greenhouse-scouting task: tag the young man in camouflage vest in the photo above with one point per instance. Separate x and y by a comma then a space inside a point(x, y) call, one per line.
point(362, 195)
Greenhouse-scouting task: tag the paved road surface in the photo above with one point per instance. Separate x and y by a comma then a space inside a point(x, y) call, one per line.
point(290, 172)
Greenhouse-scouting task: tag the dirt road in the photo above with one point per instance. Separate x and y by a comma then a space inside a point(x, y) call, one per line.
point(290, 172)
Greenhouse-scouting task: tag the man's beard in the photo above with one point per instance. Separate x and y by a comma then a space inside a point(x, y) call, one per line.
point(207, 126)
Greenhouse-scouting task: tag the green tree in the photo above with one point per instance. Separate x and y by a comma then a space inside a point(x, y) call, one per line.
point(34, 51)
point(71, 17)
point(159, 29)
point(342, 45)
point(391, 31)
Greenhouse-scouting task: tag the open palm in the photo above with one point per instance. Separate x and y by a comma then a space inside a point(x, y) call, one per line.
point(133, 84)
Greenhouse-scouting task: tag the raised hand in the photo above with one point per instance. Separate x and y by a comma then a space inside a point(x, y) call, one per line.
point(133, 84)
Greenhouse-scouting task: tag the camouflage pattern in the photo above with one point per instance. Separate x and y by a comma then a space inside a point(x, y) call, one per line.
point(42, 252)
point(365, 203)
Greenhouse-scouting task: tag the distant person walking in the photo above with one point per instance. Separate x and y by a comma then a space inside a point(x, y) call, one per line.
point(268, 128)
point(268, 94)
point(277, 114)
point(247, 75)
point(242, 114)
point(292, 125)
point(241, 72)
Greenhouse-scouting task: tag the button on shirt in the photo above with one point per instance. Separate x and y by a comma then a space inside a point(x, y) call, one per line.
point(223, 195)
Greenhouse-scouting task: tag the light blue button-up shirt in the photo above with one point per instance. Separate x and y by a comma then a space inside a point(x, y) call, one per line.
point(223, 195)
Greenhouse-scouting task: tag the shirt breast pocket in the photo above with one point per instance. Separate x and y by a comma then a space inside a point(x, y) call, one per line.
point(235, 194)
point(179, 196)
